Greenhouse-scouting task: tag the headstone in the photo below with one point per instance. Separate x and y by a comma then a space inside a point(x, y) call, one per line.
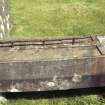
point(4, 19)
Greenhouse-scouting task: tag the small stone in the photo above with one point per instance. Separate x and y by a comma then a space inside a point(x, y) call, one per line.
point(14, 90)
point(76, 78)
point(39, 90)
point(50, 84)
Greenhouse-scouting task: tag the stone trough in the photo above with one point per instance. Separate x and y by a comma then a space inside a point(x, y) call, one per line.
point(52, 64)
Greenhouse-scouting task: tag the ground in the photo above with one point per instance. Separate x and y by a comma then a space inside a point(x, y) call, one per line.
point(79, 100)
point(41, 18)
point(57, 17)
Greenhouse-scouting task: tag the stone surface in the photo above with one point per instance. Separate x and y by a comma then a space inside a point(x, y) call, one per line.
point(101, 40)
point(46, 67)
point(4, 19)
point(101, 45)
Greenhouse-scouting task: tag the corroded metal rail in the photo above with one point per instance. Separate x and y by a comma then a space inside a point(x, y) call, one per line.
point(43, 42)
point(12, 43)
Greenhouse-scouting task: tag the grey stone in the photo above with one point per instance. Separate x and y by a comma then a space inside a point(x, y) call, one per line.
point(4, 19)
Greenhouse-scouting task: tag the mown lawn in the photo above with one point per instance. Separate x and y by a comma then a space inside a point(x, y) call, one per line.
point(39, 18)
point(79, 100)
point(57, 17)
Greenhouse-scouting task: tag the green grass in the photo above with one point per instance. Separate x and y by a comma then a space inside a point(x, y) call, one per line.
point(39, 18)
point(82, 100)
point(33, 18)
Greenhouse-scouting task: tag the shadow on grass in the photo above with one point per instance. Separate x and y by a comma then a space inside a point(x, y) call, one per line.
point(56, 94)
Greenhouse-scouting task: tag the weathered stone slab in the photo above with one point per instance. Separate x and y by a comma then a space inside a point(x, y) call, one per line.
point(25, 67)
point(4, 19)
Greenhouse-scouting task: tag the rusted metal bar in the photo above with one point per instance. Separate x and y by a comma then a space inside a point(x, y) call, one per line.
point(40, 42)
point(99, 50)
point(46, 39)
